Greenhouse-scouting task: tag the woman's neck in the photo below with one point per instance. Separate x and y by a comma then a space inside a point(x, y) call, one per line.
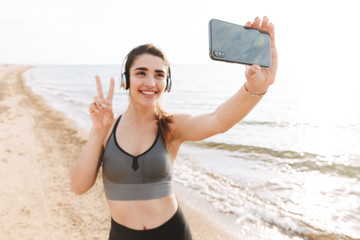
point(138, 114)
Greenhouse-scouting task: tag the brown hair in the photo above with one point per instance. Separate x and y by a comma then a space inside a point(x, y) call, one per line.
point(161, 115)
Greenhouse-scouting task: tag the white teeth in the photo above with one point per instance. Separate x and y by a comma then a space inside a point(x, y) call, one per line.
point(148, 92)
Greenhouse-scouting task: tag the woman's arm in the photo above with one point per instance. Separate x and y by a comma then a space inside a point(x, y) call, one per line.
point(234, 109)
point(83, 174)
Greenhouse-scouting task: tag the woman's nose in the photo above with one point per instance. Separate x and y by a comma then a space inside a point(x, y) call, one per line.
point(150, 81)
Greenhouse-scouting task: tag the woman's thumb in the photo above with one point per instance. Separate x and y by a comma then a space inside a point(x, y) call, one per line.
point(252, 71)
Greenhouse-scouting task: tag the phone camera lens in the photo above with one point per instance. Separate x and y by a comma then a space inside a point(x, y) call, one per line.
point(218, 53)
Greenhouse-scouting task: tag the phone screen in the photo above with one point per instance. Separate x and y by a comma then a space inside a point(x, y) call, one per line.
point(235, 43)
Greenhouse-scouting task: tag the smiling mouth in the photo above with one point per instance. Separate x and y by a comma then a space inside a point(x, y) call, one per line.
point(149, 93)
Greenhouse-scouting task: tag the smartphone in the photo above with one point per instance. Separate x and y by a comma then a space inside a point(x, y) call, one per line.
point(234, 43)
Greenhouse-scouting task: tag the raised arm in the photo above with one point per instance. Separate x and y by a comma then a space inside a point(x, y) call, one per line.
point(235, 108)
point(86, 167)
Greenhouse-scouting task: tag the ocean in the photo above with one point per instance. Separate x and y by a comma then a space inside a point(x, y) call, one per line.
point(289, 170)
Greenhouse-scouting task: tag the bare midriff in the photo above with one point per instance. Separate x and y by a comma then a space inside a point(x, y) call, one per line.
point(143, 214)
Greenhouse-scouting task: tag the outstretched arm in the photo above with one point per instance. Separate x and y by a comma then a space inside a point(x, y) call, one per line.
point(234, 109)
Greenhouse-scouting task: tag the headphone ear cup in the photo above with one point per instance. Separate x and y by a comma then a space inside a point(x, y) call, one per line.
point(123, 83)
point(168, 84)
point(168, 81)
point(127, 80)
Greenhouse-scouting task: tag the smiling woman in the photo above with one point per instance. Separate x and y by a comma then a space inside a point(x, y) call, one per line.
point(153, 78)
point(140, 195)
point(137, 149)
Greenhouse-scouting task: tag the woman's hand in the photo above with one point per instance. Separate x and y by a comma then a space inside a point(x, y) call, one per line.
point(259, 79)
point(100, 110)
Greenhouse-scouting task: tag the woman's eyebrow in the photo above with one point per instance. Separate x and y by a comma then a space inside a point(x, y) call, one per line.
point(140, 69)
point(145, 69)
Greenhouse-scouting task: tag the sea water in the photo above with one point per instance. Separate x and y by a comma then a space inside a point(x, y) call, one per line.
point(289, 170)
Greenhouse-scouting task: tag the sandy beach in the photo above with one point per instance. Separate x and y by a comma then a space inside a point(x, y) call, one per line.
point(38, 147)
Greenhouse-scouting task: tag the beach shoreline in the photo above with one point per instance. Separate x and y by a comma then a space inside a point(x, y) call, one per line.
point(38, 147)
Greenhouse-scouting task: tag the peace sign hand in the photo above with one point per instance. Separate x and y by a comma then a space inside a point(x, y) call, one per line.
point(100, 110)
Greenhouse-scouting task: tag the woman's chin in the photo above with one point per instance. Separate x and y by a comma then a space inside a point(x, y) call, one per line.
point(148, 103)
point(146, 100)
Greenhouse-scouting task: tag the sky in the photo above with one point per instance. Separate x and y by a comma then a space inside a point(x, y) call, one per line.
point(103, 32)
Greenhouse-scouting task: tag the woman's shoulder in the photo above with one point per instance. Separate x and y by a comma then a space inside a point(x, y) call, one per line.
point(177, 121)
point(179, 117)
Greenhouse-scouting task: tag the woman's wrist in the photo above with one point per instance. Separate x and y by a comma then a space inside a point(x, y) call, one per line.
point(254, 90)
point(98, 133)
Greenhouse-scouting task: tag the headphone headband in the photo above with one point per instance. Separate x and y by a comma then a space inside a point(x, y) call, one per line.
point(123, 76)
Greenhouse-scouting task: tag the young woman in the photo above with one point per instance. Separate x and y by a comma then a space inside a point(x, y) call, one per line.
point(138, 148)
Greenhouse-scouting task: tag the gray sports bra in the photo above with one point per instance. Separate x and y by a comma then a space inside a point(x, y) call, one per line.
point(142, 177)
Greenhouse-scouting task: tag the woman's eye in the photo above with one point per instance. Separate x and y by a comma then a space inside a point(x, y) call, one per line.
point(161, 76)
point(140, 73)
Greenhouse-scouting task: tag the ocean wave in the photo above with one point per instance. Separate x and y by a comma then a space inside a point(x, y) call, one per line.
point(299, 161)
point(279, 124)
point(328, 167)
point(251, 210)
point(288, 154)
point(345, 126)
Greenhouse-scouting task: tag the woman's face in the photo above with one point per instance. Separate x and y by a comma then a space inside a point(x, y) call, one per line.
point(147, 79)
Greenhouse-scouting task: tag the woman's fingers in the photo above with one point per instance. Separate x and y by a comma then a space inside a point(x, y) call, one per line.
point(99, 102)
point(271, 31)
point(255, 74)
point(105, 106)
point(256, 23)
point(99, 88)
point(111, 89)
point(102, 108)
point(93, 108)
point(264, 24)
point(102, 104)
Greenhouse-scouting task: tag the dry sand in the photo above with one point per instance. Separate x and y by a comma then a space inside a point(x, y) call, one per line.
point(38, 146)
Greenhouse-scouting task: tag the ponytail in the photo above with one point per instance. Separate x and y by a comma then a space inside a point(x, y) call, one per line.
point(164, 119)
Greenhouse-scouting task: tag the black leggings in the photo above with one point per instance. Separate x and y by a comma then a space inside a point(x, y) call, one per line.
point(176, 228)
